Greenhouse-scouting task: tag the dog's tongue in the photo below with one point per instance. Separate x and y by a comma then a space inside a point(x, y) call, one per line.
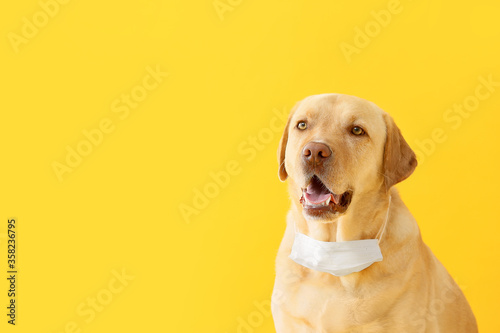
point(316, 192)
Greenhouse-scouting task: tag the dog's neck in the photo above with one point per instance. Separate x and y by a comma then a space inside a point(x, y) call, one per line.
point(364, 220)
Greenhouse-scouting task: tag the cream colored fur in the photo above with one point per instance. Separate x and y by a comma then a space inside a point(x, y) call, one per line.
point(410, 290)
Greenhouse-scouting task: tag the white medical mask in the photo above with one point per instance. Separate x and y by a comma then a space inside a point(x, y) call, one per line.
point(337, 258)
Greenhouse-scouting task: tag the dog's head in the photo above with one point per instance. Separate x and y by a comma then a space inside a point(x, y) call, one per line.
point(337, 148)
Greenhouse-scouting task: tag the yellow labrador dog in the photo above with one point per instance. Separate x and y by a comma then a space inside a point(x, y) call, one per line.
point(342, 155)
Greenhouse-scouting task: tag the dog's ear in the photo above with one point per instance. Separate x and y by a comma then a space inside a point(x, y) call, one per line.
point(282, 174)
point(399, 160)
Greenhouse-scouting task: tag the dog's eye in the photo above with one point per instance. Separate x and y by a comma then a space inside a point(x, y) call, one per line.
point(302, 125)
point(357, 130)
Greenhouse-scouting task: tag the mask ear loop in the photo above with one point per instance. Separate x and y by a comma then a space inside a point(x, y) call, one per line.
point(381, 231)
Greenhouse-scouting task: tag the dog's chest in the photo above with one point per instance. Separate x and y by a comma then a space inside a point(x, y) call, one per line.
point(329, 304)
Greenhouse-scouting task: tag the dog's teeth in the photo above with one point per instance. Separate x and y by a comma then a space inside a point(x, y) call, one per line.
point(336, 198)
point(321, 204)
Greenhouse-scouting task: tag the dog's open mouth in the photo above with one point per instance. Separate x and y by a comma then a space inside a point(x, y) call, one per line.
point(318, 199)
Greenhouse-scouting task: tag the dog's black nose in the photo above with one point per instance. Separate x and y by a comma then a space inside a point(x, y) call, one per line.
point(316, 153)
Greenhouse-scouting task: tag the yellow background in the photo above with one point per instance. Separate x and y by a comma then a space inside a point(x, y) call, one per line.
point(120, 209)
